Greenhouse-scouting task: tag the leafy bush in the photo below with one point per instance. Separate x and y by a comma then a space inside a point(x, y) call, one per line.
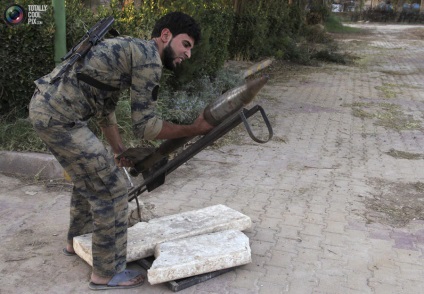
point(26, 53)
point(130, 20)
point(185, 104)
point(255, 30)
point(318, 13)
point(208, 56)
point(265, 29)
point(248, 33)
point(258, 29)
point(329, 56)
point(19, 136)
point(316, 34)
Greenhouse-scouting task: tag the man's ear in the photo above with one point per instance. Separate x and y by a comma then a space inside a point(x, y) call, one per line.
point(166, 35)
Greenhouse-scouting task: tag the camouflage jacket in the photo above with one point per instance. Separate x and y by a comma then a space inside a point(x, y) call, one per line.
point(92, 86)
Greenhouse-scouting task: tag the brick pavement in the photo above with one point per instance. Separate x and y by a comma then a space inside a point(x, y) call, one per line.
point(307, 190)
point(306, 197)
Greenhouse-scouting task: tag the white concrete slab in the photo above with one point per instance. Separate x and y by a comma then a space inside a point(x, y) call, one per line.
point(30, 165)
point(198, 255)
point(144, 236)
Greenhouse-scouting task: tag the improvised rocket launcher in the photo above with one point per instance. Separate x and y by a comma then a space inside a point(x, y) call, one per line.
point(225, 113)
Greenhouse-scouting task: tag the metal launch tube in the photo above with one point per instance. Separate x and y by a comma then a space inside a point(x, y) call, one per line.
point(216, 112)
point(232, 101)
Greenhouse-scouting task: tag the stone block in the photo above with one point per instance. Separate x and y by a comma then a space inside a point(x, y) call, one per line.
point(30, 165)
point(144, 236)
point(198, 255)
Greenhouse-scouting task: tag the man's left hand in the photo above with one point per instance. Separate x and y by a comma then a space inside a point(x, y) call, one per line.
point(123, 162)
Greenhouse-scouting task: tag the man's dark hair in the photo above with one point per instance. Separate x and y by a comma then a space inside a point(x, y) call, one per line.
point(177, 23)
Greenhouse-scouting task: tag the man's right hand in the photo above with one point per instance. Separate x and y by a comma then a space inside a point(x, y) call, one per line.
point(201, 125)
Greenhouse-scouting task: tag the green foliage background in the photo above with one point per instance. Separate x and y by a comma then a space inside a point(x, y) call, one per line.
point(26, 52)
point(259, 29)
point(253, 30)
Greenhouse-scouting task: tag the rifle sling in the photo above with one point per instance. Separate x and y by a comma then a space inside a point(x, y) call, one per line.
point(95, 83)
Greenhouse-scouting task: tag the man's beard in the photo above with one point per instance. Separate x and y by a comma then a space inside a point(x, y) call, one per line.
point(168, 57)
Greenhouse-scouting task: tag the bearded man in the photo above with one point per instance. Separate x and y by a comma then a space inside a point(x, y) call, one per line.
point(60, 110)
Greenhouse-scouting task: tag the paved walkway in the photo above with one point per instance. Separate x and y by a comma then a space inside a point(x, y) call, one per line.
point(336, 198)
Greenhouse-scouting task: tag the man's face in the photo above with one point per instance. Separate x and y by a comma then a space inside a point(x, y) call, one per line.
point(177, 50)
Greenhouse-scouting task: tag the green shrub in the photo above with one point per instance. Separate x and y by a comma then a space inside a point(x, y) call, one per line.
point(185, 104)
point(316, 34)
point(133, 21)
point(318, 13)
point(247, 38)
point(26, 54)
point(19, 136)
point(329, 56)
point(209, 55)
point(78, 21)
point(263, 28)
point(258, 29)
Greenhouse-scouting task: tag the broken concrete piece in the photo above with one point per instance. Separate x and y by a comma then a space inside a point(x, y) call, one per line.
point(143, 237)
point(198, 255)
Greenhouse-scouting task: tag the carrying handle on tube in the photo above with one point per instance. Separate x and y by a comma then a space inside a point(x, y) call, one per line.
point(249, 129)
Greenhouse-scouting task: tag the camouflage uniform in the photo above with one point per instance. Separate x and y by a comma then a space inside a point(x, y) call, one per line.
point(59, 114)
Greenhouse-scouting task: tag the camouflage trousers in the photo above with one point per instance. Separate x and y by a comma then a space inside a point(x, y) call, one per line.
point(99, 202)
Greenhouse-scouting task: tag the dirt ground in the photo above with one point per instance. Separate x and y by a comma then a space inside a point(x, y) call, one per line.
point(379, 117)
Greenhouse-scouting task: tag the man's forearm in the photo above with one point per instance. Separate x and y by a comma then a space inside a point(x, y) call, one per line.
point(172, 131)
point(113, 138)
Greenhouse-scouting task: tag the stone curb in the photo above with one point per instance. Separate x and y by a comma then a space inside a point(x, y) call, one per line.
point(31, 165)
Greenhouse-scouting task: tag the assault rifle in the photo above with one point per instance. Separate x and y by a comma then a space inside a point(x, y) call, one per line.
point(90, 39)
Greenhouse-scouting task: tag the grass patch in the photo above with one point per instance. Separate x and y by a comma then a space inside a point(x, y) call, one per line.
point(359, 112)
point(404, 155)
point(364, 61)
point(19, 136)
point(395, 203)
point(397, 120)
point(387, 115)
point(388, 90)
point(333, 24)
